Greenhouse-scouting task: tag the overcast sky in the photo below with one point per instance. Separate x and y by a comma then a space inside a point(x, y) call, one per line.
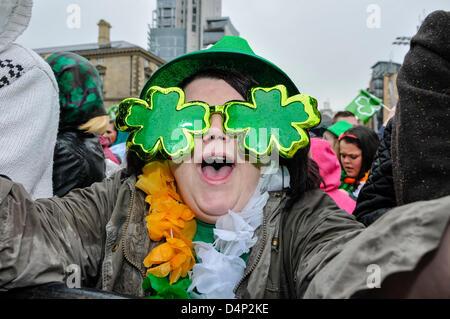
point(326, 46)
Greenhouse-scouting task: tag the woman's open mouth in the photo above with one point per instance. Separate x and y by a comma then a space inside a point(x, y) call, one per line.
point(216, 170)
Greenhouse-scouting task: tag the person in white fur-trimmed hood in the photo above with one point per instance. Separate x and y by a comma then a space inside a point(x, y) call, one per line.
point(29, 105)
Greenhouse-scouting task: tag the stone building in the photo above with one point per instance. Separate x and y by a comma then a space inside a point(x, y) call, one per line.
point(123, 67)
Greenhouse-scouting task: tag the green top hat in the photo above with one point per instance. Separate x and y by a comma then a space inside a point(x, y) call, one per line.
point(339, 127)
point(229, 53)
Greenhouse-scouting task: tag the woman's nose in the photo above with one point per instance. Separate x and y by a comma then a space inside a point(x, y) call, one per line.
point(215, 131)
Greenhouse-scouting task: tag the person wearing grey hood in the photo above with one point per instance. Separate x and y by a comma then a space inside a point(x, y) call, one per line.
point(29, 107)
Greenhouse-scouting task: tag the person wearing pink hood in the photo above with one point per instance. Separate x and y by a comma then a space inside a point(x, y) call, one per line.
point(330, 170)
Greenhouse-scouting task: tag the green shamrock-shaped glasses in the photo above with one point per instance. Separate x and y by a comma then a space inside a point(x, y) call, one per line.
point(164, 125)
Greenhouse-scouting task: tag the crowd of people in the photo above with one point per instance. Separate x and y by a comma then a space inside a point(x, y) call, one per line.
point(200, 217)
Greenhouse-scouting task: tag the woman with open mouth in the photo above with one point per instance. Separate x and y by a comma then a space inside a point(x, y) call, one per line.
point(219, 200)
point(357, 148)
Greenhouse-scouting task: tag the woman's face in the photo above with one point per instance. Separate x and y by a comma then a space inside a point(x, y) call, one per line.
point(351, 158)
point(111, 133)
point(216, 178)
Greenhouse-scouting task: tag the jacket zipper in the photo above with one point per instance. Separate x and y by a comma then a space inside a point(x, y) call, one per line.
point(127, 258)
point(261, 250)
point(258, 257)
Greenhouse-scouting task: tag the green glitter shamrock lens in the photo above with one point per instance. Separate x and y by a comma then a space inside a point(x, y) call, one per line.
point(165, 125)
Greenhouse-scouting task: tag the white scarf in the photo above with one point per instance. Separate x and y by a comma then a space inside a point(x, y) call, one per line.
point(220, 266)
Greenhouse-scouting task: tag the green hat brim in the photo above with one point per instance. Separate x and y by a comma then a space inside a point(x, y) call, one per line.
point(264, 72)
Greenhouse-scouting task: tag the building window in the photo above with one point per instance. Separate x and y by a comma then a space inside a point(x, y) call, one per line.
point(101, 71)
point(102, 77)
point(147, 71)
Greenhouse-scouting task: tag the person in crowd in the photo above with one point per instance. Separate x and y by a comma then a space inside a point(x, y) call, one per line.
point(119, 148)
point(423, 113)
point(112, 161)
point(377, 196)
point(418, 89)
point(106, 140)
point(420, 147)
point(254, 235)
point(333, 132)
point(110, 134)
point(78, 159)
point(118, 138)
point(112, 164)
point(347, 116)
point(330, 170)
point(111, 131)
point(28, 103)
point(320, 130)
point(357, 148)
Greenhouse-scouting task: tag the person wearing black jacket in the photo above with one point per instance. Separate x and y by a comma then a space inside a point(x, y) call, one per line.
point(378, 196)
point(78, 159)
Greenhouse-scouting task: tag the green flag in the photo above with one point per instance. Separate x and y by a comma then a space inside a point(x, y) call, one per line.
point(364, 106)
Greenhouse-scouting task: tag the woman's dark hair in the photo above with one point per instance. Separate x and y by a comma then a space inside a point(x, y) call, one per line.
point(241, 83)
point(367, 141)
point(304, 172)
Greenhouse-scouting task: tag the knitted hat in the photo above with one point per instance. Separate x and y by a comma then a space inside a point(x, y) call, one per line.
point(80, 89)
point(230, 53)
point(421, 130)
point(339, 127)
point(28, 104)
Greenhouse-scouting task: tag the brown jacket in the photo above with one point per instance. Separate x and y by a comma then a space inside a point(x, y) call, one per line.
point(315, 250)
